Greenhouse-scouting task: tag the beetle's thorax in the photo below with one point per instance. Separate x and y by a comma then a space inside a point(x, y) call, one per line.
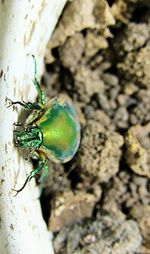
point(29, 137)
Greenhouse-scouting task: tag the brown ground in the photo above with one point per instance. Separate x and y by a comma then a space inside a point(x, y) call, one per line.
point(100, 57)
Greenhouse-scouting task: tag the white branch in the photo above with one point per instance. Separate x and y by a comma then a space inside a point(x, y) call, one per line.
point(25, 28)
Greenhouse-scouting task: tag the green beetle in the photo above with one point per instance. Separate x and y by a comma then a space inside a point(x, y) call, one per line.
point(51, 131)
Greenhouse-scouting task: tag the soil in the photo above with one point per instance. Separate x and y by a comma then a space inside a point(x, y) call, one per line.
point(99, 56)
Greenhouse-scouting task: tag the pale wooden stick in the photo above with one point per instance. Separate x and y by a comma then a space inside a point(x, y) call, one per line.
point(25, 28)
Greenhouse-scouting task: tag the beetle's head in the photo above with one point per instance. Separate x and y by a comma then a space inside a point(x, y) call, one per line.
point(29, 137)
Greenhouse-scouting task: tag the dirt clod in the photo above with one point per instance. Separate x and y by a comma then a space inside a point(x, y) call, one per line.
point(99, 56)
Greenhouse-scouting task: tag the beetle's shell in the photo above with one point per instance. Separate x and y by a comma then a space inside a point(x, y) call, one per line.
point(60, 128)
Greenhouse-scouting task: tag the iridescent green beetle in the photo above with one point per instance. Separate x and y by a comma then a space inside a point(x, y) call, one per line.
point(51, 131)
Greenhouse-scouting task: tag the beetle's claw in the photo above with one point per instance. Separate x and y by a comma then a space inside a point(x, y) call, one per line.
point(10, 102)
point(17, 191)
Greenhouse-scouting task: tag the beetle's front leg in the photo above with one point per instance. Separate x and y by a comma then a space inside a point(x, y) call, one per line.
point(34, 114)
point(26, 105)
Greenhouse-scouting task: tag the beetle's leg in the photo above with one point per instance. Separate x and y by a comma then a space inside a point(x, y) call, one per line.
point(14, 102)
point(44, 175)
point(39, 105)
point(35, 155)
point(26, 105)
point(42, 179)
point(41, 94)
point(32, 117)
point(33, 173)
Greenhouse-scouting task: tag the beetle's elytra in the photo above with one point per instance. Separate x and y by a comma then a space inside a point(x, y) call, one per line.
point(51, 131)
